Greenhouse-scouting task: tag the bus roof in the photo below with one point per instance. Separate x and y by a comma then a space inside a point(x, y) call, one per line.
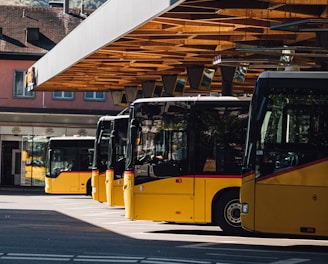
point(294, 74)
point(122, 117)
point(72, 138)
point(111, 118)
point(192, 98)
point(106, 118)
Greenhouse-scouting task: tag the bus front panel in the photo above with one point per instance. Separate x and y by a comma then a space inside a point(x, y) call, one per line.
point(114, 189)
point(64, 183)
point(296, 197)
point(98, 186)
point(247, 197)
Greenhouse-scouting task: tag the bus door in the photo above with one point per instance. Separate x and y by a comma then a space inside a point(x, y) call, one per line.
point(163, 189)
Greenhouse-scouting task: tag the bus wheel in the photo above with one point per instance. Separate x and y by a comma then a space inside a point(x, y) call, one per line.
point(227, 212)
point(89, 188)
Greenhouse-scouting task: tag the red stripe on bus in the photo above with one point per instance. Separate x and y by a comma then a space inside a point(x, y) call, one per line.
point(209, 176)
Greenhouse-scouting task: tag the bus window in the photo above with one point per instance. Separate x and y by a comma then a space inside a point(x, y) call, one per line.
point(221, 133)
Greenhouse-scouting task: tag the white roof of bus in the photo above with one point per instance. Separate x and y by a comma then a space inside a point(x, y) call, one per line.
point(122, 116)
point(106, 118)
point(110, 118)
point(294, 74)
point(192, 98)
point(73, 138)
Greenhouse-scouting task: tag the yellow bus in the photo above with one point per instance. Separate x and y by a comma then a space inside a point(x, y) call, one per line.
point(116, 161)
point(109, 159)
point(285, 184)
point(69, 165)
point(100, 158)
point(184, 158)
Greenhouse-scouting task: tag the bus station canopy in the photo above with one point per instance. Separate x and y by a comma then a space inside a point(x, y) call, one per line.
point(125, 43)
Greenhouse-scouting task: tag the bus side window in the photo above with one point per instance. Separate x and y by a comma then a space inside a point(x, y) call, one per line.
point(70, 165)
point(225, 159)
point(84, 160)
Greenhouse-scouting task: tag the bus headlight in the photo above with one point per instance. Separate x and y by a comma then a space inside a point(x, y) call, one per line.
point(244, 208)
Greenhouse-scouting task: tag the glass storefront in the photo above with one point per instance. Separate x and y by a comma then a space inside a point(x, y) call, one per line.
point(33, 170)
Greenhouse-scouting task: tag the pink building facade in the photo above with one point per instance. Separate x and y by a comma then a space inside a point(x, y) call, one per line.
point(26, 34)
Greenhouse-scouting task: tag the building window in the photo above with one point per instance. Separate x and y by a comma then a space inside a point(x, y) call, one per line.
point(32, 35)
point(94, 96)
point(62, 95)
point(19, 89)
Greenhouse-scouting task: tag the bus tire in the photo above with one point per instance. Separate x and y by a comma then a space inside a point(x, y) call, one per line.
point(226, 211)
point(89, 188)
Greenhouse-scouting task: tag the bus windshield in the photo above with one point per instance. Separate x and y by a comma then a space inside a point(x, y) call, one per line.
point(293, 128)
point(117, 145)
point(69, 155)
point(171, 134)
point(100, 157)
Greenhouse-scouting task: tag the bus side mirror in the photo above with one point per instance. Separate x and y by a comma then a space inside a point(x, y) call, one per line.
point(114, 137)
point(134, 128)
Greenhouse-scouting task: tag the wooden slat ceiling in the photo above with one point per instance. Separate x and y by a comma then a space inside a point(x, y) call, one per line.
point(197, 31)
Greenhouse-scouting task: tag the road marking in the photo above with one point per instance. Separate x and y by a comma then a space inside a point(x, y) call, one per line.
point(48, 257)
point(35, 258)
point(198, 245)
point(243, 256)
point(42, 255)
point(108, 259)
point(172, 261)
point(97, 258)
point(209, 246)
point(290, 261)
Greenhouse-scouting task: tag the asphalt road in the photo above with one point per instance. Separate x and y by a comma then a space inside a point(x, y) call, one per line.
point(42, 228)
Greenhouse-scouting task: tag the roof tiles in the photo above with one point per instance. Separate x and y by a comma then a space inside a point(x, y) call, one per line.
point(52, 23)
